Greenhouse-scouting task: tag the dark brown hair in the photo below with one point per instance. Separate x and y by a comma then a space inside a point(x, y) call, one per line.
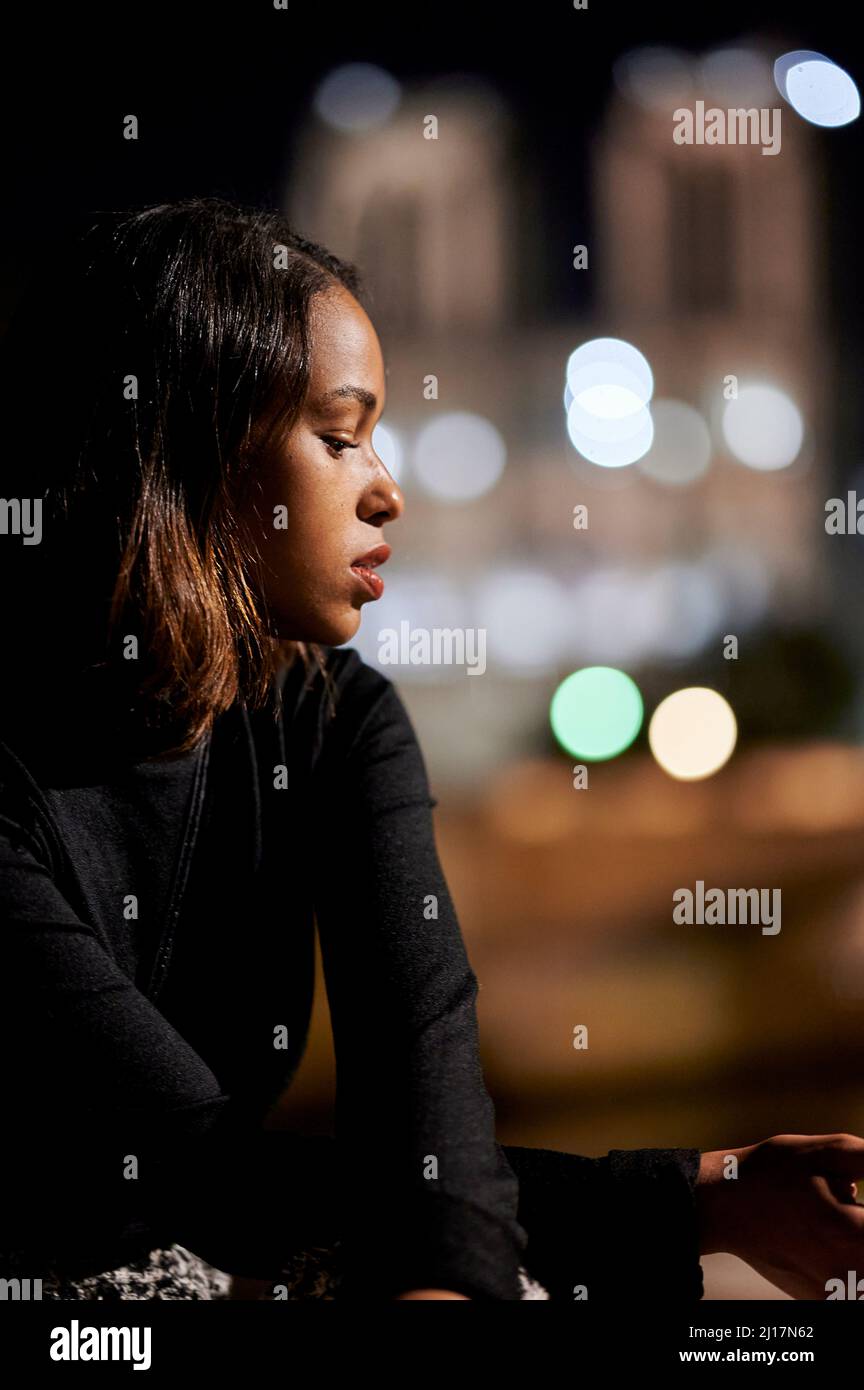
point(146, 369)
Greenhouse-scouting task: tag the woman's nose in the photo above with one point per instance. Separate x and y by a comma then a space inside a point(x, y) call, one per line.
point(385, 497)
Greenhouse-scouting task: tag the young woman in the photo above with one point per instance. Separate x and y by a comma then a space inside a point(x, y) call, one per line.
point(193, 772)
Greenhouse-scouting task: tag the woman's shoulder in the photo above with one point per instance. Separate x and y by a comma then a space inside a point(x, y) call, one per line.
point(345, 707)
point(339, 683)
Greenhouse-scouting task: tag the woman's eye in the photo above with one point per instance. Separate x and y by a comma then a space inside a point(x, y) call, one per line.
point(337, 445)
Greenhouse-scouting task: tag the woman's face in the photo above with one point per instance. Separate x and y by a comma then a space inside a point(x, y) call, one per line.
point(322, 496)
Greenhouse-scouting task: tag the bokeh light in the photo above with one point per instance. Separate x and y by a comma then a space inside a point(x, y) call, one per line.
point(655, 76)
point(423, 599)
point(458, 456)
point(357, 97)
point(734, 74)
point(608, 385)
point(526, 614)
point(692, 733)
point(632, 613)
point(596, 713)
point(620, 442)
point(763, 427)
point(814, 86)
point(388, 446)
point(613, 364)
point(681, 449)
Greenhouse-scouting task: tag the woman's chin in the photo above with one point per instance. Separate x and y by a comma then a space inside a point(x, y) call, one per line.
point(329, 631)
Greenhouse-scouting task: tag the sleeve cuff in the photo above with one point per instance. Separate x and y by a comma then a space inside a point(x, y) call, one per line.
point(442, 1242)
point(655, 1193)
point(612, 1227)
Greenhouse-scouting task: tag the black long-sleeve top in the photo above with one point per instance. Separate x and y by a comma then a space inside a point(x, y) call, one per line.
point(158, 925)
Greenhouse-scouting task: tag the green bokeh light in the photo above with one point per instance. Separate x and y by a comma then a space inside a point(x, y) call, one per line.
point(596, 713)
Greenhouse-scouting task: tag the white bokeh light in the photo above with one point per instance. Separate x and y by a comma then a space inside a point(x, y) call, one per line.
point(688, 604)
point(388, 446)
point(608, 385)
point(613, 428)
point(422, 598)
point(763, 427)
point(787, 61)
point(681, 451)
point(622, 614)
point(357, 97)
point(526, 614)
point(655, 76)
point(814, 86)
point(609, 621)
point(735, 74)
point(621, 441)
point(611, 363)
point(608, 401)
point(459, 456)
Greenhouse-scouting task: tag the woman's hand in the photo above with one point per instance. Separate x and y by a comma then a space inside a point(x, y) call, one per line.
point(432, 1293)
point(791, 1212)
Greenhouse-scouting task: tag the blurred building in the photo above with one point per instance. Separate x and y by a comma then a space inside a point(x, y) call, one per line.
point(709, 260)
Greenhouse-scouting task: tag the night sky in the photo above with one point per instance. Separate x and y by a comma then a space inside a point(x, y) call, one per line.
point(218, 92)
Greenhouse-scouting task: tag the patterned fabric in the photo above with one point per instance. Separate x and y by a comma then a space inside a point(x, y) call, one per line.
point(176, 1273)
point(170, 1273)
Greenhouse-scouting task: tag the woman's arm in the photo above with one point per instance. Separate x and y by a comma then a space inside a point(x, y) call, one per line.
point(115, 1123)
point(434, 1200)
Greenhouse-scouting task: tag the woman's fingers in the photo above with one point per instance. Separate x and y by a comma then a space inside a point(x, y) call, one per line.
point(841, 1189)
point(844, 1247)
point(818, 1238)
point(793, 1214)
point(831, 1153)
point(839, 1159)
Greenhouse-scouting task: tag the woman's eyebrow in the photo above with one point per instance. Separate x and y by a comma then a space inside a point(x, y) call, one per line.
point(367, 399)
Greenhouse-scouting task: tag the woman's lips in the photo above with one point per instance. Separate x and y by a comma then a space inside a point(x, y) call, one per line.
point(373, 582)
point(365, 565)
